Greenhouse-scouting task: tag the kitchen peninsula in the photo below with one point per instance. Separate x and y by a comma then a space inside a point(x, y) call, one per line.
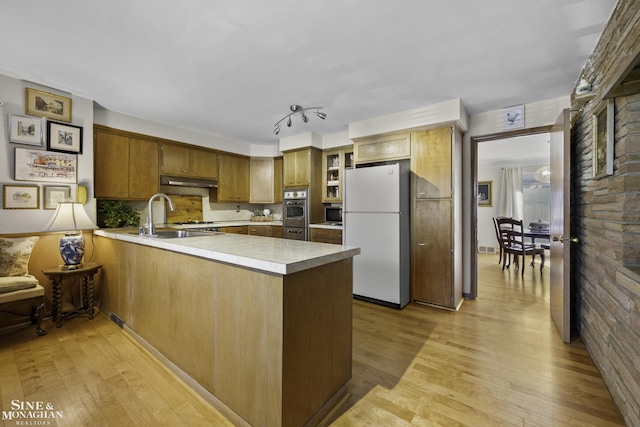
point(260, 327)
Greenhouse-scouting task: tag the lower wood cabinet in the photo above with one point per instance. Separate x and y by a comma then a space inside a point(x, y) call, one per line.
point(241, 229)
point(260, 230)
point(431, 258)
point(265, 230)
point(326, 235)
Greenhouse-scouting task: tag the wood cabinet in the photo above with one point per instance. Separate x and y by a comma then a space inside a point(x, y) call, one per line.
point(265, 180)
point(436, 223)
point(240, 229)
point(326, 235)
point(265, 230)
point(379, 148)
point(233, 178)
point(334, 163)
point(125, 165)
point(186, 160)
point(431, 163)
point(276, 231)
point(277, 180)
point(301, 167)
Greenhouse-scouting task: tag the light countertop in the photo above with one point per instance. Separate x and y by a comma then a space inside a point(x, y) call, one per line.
point(221, 224)
point(274, 255)
point(327, 225)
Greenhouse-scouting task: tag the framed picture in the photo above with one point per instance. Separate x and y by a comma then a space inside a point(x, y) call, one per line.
point(484, 193)
point(21, 197)
point(48, 166)
point(603, 140)
point(64, 138)
point(513, 117)
point(44, 104)
point(25, 130)
point(54, 195)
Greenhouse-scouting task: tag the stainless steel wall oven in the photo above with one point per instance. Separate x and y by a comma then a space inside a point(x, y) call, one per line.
point(295, 214)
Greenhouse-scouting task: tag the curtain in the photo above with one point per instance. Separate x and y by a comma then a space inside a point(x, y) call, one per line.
point(510, 200)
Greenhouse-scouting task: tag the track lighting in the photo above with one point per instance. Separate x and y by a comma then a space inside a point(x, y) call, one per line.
point(298, 109)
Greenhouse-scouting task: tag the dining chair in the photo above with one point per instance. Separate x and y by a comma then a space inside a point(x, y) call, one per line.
point(516, 244)
point(500, 236)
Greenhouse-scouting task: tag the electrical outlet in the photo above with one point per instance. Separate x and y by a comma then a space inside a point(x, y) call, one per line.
point(237, 208)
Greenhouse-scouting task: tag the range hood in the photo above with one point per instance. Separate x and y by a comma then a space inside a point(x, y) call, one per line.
point(181, 181)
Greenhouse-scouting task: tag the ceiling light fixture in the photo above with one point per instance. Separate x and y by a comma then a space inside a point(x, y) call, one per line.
point(295, 109)
point(543, 174)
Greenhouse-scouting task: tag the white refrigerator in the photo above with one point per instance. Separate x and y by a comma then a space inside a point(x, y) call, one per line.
point(376, 218)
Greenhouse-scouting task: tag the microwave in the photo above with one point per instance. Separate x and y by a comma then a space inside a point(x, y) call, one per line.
point(333, 214)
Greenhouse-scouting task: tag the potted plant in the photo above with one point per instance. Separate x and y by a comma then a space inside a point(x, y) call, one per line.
point(117, 213)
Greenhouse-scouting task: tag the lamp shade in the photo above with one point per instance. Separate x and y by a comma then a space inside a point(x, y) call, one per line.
point(70, 216)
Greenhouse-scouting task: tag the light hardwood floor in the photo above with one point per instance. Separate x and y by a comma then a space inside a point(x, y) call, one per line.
point(497, 362)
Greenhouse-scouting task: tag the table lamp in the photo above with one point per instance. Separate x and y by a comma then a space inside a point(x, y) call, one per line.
point(71, 218)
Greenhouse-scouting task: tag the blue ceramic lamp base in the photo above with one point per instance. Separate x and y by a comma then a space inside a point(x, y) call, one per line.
point(72, 248)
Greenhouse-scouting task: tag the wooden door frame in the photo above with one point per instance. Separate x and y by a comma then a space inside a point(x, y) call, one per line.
point(473, 239)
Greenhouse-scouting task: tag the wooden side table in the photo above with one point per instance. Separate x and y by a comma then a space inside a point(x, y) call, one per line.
point(59, 273)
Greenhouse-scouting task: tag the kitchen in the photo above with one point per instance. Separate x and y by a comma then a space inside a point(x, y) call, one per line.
point(87, 114)
point(115, 173)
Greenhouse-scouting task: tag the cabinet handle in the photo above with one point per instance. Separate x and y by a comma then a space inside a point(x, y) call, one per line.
point(422, 244)
point(184, 171)
point(422, 193)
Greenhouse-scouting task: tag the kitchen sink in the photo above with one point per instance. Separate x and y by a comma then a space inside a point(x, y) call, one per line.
point(179, 234)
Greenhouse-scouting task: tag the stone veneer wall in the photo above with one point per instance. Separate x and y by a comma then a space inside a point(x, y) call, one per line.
point(606, 219)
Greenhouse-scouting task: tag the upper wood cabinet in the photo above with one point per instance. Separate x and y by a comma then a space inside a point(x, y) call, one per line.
point(125, 165)
point(431, 163)
point(334, 163)
point(185, 160)
point(233, 178)
point(266, 180)
point(277, 179)
point(379, 148)
point(300, 167)
point(262, 180)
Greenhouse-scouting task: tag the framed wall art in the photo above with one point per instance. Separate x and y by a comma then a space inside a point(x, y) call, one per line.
point(484, 193)
point(25, 130)
point(53, 195)
point(64, 138)
point(44, 104)
point(48, 166)
point(513, 117)
point(21, 197)
point(603, 140)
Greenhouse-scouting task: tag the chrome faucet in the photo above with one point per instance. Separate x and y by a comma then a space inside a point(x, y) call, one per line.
point(151, 229)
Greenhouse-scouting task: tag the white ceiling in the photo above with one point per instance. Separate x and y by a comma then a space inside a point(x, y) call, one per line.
point(233, 67)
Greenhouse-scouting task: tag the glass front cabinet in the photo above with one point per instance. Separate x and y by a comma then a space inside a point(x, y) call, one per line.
point(334, 163)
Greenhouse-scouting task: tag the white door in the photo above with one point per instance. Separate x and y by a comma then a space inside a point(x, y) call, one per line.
point(373, 189)
point(376, 271)
point(560, 296)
